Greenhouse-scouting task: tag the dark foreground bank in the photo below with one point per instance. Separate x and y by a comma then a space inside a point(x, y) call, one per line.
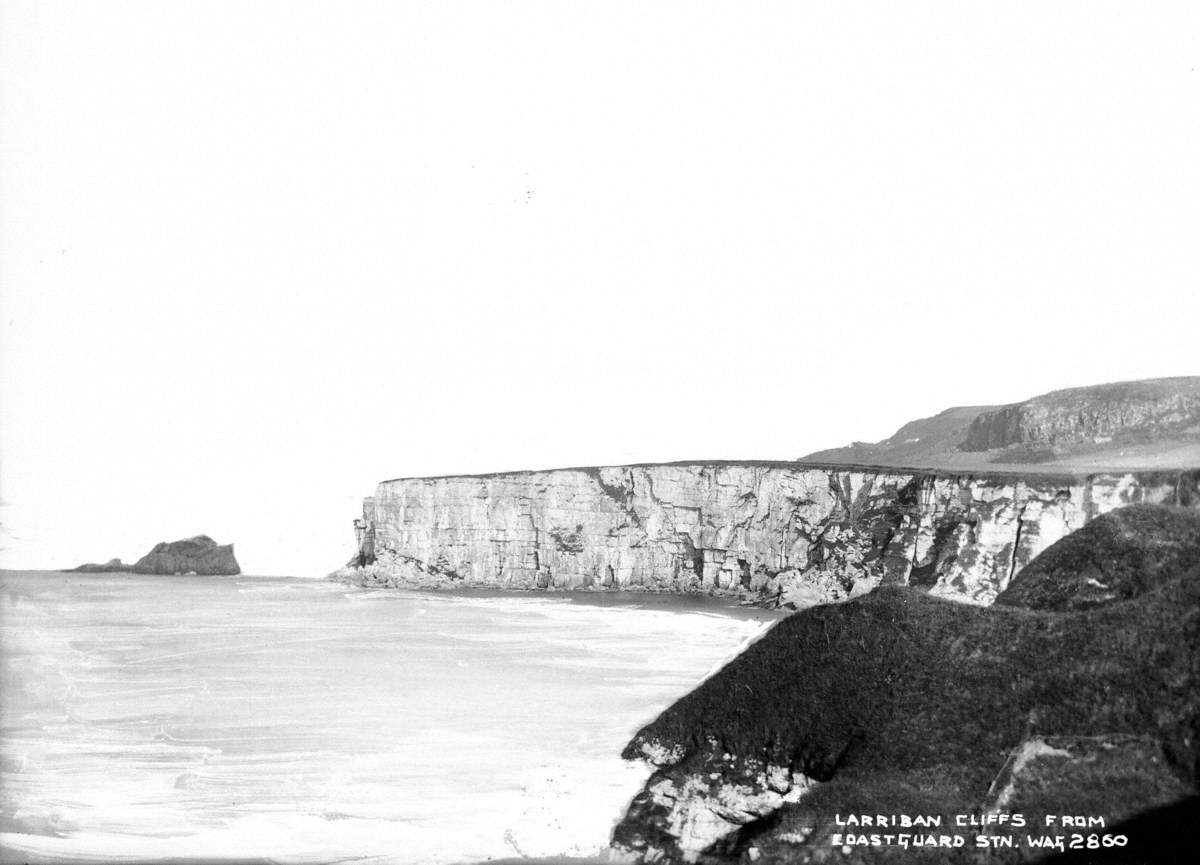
point(1076, 695)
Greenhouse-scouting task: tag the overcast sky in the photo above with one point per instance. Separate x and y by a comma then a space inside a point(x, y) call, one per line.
point(257, 256)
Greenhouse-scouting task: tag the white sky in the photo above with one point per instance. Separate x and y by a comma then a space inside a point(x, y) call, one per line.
point(257, 256)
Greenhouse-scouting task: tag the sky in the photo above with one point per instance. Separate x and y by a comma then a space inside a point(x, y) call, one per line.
point(256, 257)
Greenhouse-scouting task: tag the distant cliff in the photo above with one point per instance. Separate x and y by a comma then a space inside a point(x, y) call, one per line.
point(196, 555)
point(1123, 426)
point(792, 533)
point(1091, 415)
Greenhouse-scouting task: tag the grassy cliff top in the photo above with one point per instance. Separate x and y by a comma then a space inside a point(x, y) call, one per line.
point(1048, 473)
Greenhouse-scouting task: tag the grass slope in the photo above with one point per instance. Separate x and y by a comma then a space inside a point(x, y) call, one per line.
point(1163, 417)
point(1117, 557)
point(904, 703)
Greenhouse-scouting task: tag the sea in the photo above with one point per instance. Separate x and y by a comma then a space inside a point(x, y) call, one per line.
point(153, 718)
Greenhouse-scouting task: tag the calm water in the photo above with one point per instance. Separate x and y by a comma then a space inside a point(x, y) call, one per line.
point(155, 717)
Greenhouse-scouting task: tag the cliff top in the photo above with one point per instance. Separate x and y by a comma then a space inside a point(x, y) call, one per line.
point(1139, 425)
point(1061, 472)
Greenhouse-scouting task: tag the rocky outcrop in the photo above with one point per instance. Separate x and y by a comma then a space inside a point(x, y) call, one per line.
point(898, 703)
point(769, 532)
point(1133, 425)
point(112, 566)
point(197, 555)
point(1091, 415)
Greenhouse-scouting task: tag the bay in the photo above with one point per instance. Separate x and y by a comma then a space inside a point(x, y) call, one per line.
point(148, 718)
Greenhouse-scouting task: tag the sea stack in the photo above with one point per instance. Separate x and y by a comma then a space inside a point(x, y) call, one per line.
point(197, 555)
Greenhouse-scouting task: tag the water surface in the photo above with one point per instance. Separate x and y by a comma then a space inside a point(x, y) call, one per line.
point(152, 717)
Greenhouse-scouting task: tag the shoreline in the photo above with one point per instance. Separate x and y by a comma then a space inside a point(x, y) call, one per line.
point(643, 599)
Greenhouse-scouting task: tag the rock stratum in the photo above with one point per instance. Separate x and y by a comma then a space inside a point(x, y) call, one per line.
point(1098, 414)
point(767, 532)
point(199, 555)
point(1077, 693)
point(1151, 423)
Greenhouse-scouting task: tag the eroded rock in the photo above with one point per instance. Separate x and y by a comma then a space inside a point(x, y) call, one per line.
point(1091, 415)
point(197, 555)
point(781, 532)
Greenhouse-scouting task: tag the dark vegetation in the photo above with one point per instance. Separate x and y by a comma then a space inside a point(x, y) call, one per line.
point(1165, 834)
point(1119, 557)
point(904, 703)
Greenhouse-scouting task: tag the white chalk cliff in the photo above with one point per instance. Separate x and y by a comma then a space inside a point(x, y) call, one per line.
point(802, 534)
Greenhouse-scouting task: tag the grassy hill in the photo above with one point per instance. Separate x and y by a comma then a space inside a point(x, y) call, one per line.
point(1146, 424)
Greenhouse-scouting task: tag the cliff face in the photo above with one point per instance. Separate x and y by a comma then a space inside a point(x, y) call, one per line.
point(198, 555)
point(1123, 426)
point(799, 533)
point(1091, 414)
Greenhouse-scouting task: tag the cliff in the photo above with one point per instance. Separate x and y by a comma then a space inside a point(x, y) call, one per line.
point(1090, 415)
point(197, 555)
point(901, 703)
point(1146, 424)
point(769, 532)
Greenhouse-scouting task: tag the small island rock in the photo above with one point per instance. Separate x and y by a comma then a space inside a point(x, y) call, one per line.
point(199, 555)
point(112, 566)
